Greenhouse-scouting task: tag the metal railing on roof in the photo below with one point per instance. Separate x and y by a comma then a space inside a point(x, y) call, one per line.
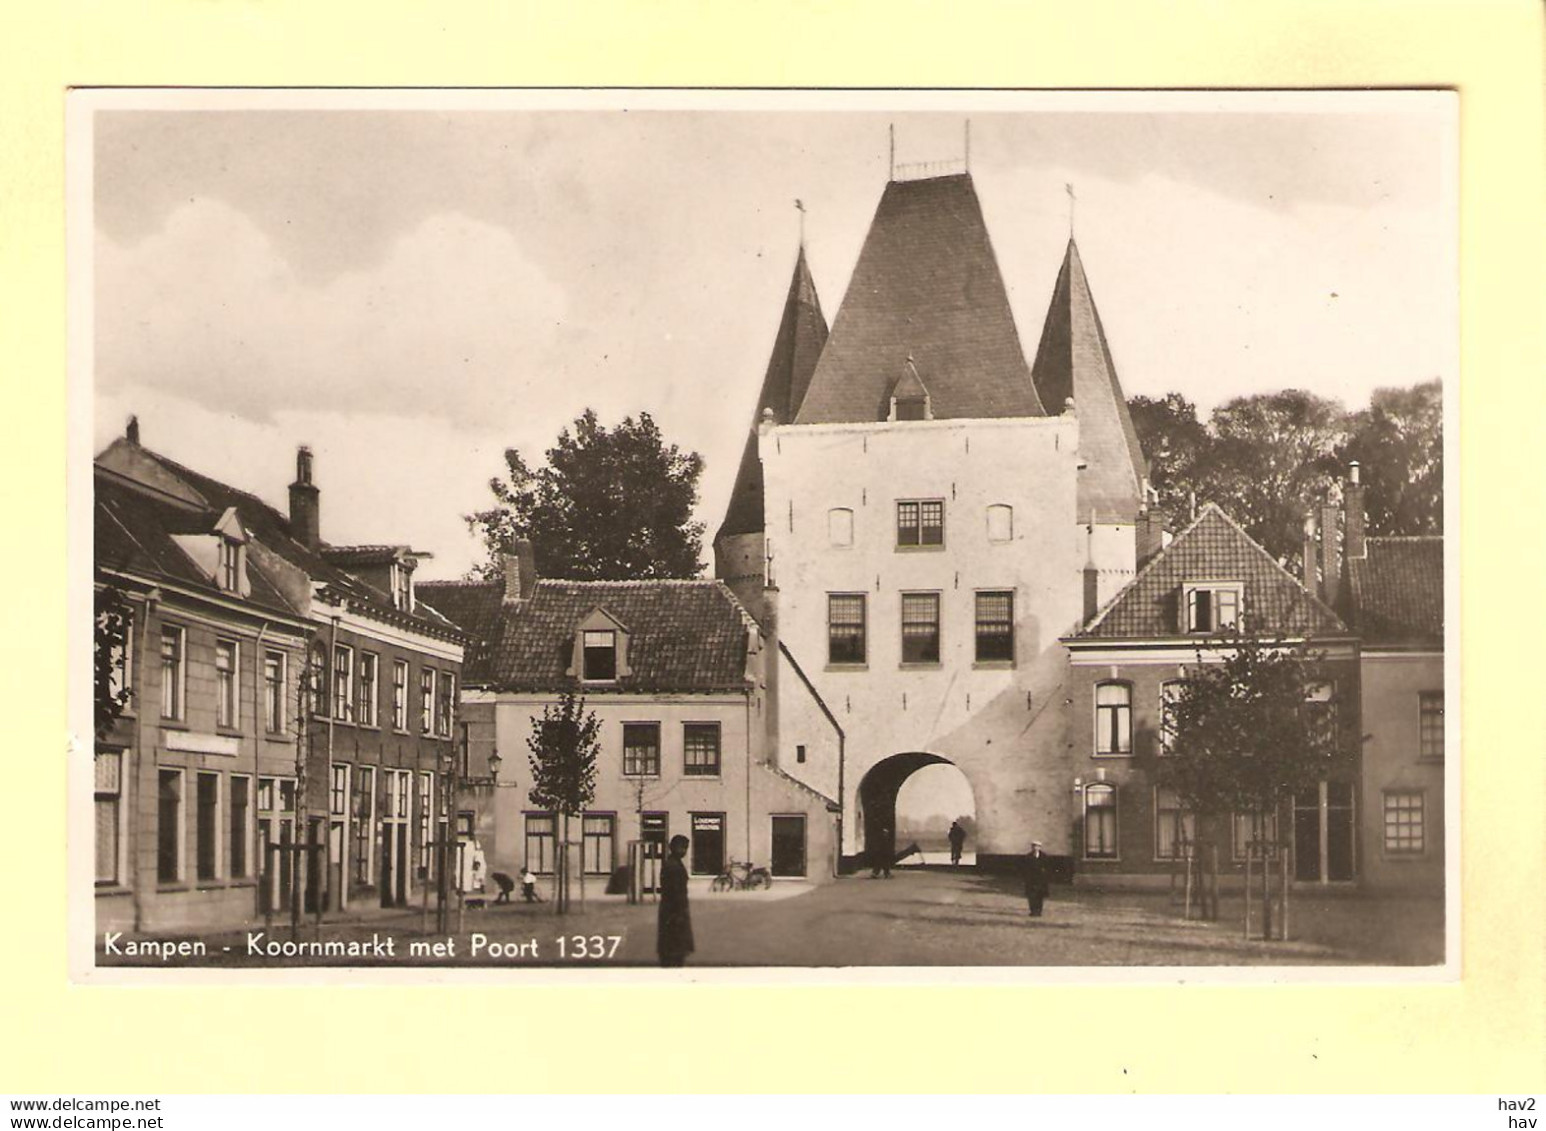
point(923, 170)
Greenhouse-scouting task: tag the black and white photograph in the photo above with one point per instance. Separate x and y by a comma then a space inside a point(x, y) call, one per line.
point(678, 534)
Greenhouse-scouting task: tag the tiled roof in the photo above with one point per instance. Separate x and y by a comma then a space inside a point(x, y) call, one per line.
point(1074, 361)
point(684, 636)
point(1396, 592)
point(346, 556)
point(474, 607)
point(272, 529)
point(801, 334)
point(133, 534)
point(926, 286)
point(1212, 548)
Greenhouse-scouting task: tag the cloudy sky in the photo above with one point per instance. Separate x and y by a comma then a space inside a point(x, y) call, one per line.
point(413, 291)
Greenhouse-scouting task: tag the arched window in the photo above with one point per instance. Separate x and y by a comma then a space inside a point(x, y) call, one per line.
point(840, 526)
point(1100, 822)
point(1113, 719)
point(1001, 522)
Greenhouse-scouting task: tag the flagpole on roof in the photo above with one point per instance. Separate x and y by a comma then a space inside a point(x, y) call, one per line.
point(967, 160)
point(891, 172)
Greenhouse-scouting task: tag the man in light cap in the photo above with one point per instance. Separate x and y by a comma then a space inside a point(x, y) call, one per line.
point(1037, 880)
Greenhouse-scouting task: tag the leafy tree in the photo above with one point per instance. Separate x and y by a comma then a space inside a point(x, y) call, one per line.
point(111, 648)
point(1240, 733)
point(564, 744)
point(609, 504)
point(1399, 441)
point(1178, 447)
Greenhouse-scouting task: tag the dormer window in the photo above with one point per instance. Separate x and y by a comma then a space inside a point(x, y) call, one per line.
point(600, 649)
point(402, 587)
point(910, 397)
point(230, 565)
point(1211, 606)
point(600, 656)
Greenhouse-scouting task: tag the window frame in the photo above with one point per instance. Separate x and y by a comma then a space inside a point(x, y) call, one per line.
point(1119, 712)
point(546, 857)
point(1429, 727)
point(1185, 823)
point(587, 837)
point(445, 703)
point(1102, 789)
point(111, 793)
point(177, 686)
point(228, 698)
point(688, 770)
point(400, 696)
point(587, 649)
point(239, 829)
point(925, 596)
point(861, 634)
point(644, 774)
point(919, 539)
point(427, 687)
point(1189, 594)
point(368, 695)
point(342, 706)
point(215, 841)
point(978, 623)
point(1261, 819)
point(179, 838)
point(1169, 691)
point(1394, 852)
point(275, 719)
point(229, 566)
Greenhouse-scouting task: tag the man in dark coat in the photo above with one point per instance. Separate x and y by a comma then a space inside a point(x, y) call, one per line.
point(882, 854)
point(957, 841)
point(673, 939)
point(1037, 878)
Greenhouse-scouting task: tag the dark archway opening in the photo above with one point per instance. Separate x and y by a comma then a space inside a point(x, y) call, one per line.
point(888, 833)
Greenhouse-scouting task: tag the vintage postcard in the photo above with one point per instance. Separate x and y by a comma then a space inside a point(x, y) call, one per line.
point(570, 534)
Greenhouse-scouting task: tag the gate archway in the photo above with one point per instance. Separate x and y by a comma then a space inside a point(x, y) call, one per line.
point(878, 793)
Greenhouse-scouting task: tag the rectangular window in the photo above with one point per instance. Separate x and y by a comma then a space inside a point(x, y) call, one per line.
point(225, 683)
point(920, 522)
point(1430, 723)
point(641, 750)
point(1100, 822)
point(207, 828)
point(426, 820)
point(274, 692)
point(445, 705)
point(370, 689)
point(1404, 823)
point(343, 683)
point(1211, 608)
point(845, 628)
point(427, 700)
point(363, 820)
point(541, 842)
point(1259, 829)
point(172, 672)
point(597, 850)
point(700, 749)
point(996, 627)
point(241, 825)
point(169, 826)
point(399, 694)
point(1113, 719)
point(920, 628)
point(1175, 830)
point(109, 827)
point(338, 791)
point(600, 655)
point(228, 565)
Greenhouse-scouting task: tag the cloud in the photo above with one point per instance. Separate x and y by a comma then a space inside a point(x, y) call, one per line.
point(454, 322)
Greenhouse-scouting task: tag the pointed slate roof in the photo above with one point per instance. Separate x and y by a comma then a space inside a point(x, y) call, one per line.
point(802, 332)
point(1396, 592)
point(1074, 361)
point(926, 285)
point(1212, 548)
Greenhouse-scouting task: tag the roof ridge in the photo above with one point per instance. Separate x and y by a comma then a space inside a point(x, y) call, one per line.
point(634, 582)
point(1402, 538)
point(468, 581)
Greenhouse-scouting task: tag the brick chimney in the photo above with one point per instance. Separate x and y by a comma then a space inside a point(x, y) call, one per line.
point(305, 503)
point(1150, 535)
point(1331, 555)
point(1353, 545)
point(132, 432)
point(520, 571)
point(1309, 571)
